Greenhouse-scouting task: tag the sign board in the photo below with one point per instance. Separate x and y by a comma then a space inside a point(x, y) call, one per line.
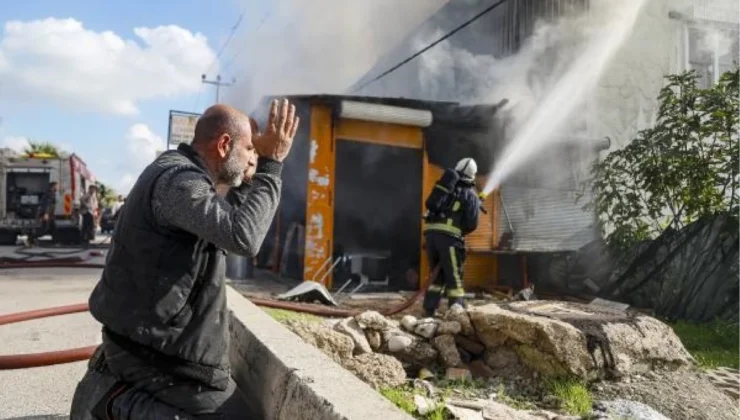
point(181, 127)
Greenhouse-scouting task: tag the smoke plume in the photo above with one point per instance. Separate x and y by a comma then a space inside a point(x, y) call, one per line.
point(453, 72)
point(321, 46)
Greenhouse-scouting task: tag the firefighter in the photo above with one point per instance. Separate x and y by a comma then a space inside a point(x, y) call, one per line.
point(89, 211)
point(452, 213)
point(162, 295)
point(45, 214)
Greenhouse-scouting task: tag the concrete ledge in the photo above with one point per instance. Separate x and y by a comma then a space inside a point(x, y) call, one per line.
point(292, 380)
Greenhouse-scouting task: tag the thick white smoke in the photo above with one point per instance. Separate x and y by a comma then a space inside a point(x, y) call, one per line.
point(320, 46)
point(526, 79)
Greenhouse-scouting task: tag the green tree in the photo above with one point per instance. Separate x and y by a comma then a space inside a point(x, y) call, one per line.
point(683, 168)
point(107, 194)
point(41, 148)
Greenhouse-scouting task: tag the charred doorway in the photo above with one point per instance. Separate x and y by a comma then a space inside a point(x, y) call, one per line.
point(377, 211)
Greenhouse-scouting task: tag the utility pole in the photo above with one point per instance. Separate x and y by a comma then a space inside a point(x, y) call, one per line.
point(218, 83)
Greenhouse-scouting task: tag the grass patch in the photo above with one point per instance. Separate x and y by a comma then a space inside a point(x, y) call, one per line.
point(403, 398)
point(462, 385)
point(512, 401)
point(574, 396)
point(282, 315)
point(712, 344)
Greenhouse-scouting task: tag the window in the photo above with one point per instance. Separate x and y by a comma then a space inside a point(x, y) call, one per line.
point(711, 50)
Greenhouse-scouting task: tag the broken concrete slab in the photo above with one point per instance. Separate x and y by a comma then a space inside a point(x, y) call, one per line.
point(374, 321)
point(458, 314)
point(351, 328)
point(378, 370)
point(603, 303)
point(374, 339)
point(334, 344)
point(426, 327)
point(408, 322)
point(556, 338)
point(291, 379)
point(445, 344)
point(449, 327)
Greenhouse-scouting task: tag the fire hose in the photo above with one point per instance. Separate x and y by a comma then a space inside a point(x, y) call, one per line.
point(22, 361)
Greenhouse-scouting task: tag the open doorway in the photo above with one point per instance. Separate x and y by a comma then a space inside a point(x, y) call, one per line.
point(377, 211)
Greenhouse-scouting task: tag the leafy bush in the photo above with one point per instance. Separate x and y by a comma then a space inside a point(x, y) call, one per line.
point(683, 168)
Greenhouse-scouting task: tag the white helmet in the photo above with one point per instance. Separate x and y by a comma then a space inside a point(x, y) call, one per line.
point(467, 168)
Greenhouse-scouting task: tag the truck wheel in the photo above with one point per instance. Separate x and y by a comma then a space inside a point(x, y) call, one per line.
point(8, 238)
point(66, 237)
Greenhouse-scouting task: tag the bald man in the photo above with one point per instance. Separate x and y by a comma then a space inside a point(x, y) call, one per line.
point(161, 298)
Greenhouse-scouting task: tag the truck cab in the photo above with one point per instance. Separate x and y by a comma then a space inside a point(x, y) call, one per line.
point(24, 178)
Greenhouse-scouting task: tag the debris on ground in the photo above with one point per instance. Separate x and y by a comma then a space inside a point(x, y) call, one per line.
point(514, 356)
point(679, 395)
point(309, 292)
point(334, 344)
point(628, 409)
point(568, 338)
point(376, 369)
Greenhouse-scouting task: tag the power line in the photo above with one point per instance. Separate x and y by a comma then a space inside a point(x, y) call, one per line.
point(240, 50)
point(231, 35)
point(220, 51)
point(433, 44)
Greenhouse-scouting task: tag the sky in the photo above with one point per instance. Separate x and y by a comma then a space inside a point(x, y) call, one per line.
point(100, 81)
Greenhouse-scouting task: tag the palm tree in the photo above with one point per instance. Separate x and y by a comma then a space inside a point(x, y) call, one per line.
point(107, 194)
point(41, 148)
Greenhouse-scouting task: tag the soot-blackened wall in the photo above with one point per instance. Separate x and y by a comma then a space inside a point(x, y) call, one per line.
point(378, 203)
point(293, 199)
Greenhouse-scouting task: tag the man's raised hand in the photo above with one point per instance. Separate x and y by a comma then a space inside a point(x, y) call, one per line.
point(275, 142)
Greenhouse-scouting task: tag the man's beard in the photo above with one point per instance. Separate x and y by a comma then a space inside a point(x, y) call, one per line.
point(232, 170)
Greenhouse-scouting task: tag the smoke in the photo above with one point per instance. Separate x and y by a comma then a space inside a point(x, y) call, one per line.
point(320, 46)
point(453, 72)
point(326, 46)
point(716, 39)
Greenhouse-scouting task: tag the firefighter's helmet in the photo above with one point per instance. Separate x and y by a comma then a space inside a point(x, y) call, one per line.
point(467, 168)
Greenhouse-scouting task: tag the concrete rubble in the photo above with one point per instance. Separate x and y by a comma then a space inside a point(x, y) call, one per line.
point(524, 339)
point(566, 338)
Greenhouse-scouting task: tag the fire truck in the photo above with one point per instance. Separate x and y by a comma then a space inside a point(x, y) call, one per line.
point(23, 181)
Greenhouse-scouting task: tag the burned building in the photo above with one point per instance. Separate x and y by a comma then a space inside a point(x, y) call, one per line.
point(355, 183)
point(537, 213)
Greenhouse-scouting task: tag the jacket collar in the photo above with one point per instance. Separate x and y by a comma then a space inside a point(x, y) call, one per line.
point(193, 156)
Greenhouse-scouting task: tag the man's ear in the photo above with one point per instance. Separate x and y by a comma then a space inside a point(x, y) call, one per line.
point(224, 145)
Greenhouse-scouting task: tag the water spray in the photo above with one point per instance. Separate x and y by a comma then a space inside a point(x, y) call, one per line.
point(539, 131)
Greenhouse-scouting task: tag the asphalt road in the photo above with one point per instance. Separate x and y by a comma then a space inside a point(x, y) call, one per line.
point(45, 392)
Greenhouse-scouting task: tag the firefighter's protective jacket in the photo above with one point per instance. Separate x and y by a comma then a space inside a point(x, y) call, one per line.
point(462, 217)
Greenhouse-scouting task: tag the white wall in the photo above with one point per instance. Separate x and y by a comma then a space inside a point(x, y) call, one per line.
point(625, 100)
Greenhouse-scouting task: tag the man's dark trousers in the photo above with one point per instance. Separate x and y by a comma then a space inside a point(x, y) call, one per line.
point(149, 393)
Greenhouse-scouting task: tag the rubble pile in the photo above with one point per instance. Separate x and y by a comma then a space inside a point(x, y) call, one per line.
point(516, 344)
point(545, 338)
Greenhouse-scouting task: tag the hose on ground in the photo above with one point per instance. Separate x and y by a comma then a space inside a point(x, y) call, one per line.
point(23, 361)
point(50, 259)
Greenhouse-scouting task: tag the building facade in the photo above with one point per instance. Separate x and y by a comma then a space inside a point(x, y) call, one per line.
point(519, 51)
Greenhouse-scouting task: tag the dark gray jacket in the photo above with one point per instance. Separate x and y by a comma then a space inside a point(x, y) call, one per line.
point(162, 295)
